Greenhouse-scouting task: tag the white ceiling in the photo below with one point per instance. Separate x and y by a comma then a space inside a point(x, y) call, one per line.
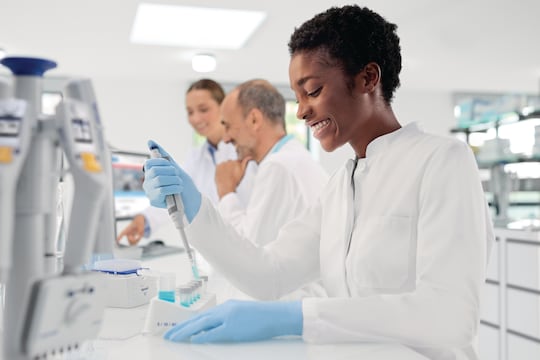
point(449, 45)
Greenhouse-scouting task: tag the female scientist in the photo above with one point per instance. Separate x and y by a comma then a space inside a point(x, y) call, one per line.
point(399, 237)
point(203, 100)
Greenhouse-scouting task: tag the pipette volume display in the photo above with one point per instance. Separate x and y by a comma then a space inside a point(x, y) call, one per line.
point(175, 207)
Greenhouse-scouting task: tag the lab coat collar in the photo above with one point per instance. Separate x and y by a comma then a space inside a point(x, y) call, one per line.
point(278, 146)
point(209, 148)
point(211, 151)
point(377, 146)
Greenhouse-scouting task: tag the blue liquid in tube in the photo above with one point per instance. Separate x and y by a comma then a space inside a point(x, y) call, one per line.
point(166, 296)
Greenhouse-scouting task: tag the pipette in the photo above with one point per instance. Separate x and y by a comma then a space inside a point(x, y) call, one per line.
point(175, 207)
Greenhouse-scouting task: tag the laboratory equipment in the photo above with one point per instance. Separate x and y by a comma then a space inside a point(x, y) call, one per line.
point(15, 134)
point(83, 91)
point(175, 207)
point(167, 283)
point(5, 88)
point(128, 176)
point(127, 283)
point(128, 288)
point(174, 305)
point(48, 311)
point(204, 280)
point(163, 315)
point(184, 293)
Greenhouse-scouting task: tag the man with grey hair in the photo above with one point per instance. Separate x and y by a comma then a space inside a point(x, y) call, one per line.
point(253, 115)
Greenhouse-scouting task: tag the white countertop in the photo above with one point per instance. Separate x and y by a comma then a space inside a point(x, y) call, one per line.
point(154, 347)
point(150, 347)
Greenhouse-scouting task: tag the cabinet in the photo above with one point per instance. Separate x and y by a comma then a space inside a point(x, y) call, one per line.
point(510, 312)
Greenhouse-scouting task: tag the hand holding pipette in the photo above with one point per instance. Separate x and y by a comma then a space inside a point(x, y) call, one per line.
point(168, 186)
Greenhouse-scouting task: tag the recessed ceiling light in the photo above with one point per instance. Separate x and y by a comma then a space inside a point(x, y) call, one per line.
point(3, 53)
point(203, 63)
point(195, 27)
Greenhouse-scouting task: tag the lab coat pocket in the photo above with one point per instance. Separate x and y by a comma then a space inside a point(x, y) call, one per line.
point(380, 253)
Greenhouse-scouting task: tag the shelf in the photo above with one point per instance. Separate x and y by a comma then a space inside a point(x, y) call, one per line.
point(486, 164)
point(505, 119)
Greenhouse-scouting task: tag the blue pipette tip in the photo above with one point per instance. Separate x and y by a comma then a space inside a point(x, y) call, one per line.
point(195, 272)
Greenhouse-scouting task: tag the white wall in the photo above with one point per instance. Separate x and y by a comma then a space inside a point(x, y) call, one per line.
point(433, 110)
point(135, 111)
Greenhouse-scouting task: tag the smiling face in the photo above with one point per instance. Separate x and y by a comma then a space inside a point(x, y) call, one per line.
point(237, 129)
point(335, 113)
point(203, 114)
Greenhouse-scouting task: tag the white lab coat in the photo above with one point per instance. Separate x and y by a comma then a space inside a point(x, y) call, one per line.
point(280, 192)
point(404, 262)
point(201, 167)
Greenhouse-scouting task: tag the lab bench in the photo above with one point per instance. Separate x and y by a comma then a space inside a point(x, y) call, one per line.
point(137, 346)
point(141, 347)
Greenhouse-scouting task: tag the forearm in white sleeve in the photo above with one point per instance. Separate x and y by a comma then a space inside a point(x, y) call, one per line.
point(261, 272)
point(232, 210)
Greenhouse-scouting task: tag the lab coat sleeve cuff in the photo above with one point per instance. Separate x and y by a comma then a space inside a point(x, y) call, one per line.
point(229, 201)
point(147, 228)
point(310, 313)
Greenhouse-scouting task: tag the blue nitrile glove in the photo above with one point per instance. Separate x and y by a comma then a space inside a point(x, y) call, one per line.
point(164, 177)
point(237, 320)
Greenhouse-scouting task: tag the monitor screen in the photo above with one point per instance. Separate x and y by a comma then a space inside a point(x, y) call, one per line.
point(128, 177)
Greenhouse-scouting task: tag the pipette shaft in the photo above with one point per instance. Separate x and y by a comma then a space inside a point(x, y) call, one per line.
point(175, 207)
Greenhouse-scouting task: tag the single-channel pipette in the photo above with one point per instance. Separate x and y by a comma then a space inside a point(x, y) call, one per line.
point(175, 207)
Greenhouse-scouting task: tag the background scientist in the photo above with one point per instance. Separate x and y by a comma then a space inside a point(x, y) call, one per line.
point(253, 116)
point(203, 99)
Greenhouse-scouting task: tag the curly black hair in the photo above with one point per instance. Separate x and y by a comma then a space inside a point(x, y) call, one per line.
point(353, 36)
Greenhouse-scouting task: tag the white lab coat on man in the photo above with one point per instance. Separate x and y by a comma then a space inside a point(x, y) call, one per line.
point(400, 240)
point(200, 164)
point(280, 192)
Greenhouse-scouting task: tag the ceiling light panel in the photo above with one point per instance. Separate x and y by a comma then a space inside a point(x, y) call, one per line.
point(203, 63)
point(194, 27)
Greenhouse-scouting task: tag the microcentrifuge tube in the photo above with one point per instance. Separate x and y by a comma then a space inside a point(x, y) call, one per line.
point(193, 293)
point(185, 295)
point(166, 287)
point(204, 279)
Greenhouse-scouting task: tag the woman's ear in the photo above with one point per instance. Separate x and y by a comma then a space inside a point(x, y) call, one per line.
point(369, 77)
